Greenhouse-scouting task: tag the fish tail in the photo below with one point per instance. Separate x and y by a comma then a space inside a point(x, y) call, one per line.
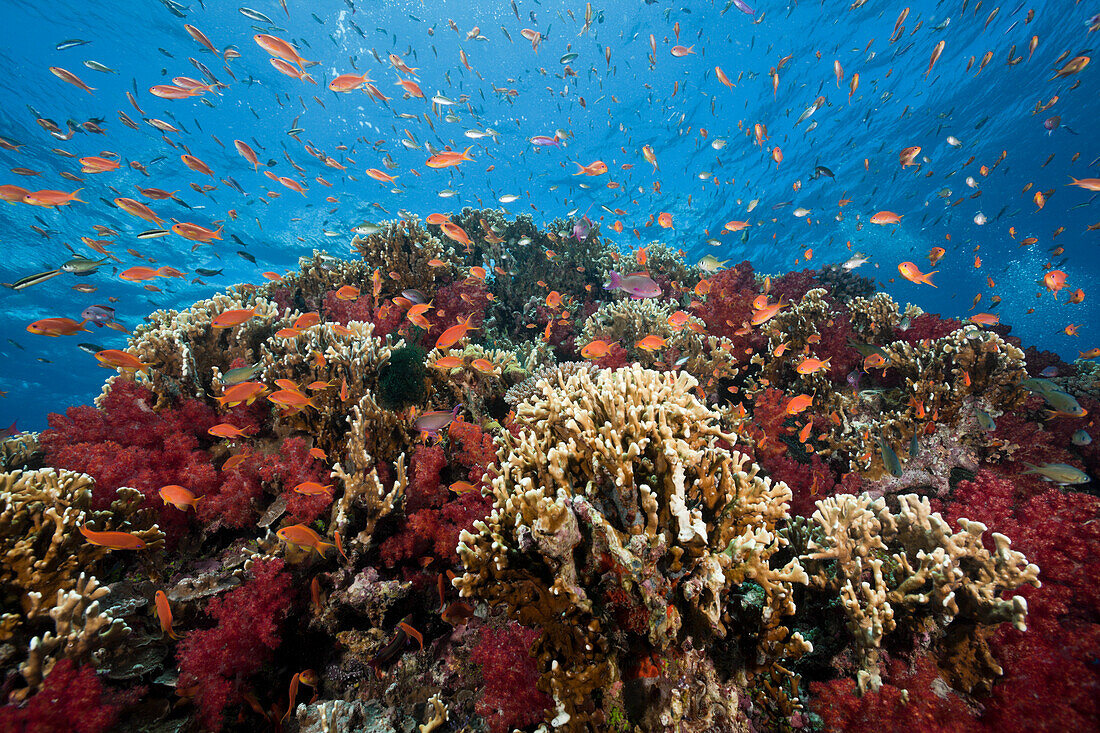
point(323, 547)
point(927, 279)
point(614, 283)
point(74, 198)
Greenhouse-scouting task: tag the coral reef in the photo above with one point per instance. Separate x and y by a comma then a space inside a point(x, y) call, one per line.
point(757, 520)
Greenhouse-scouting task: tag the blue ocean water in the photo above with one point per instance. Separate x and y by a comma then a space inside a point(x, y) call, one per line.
point(621, 98)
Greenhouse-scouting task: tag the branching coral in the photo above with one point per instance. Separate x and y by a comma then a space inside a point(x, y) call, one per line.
point(41, 513)
point(908, 563)
point(621, 481)
point(81, 629)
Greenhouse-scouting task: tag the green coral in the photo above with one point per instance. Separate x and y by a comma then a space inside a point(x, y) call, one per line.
point(401, 380)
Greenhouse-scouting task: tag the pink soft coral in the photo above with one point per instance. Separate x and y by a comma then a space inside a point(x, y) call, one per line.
point(214, 663)
point(509, 698)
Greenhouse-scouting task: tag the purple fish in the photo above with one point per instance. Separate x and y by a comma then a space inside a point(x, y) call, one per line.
point(581, 228)
point(636, 286)
point(1053, 123)
point(743, 7)
point(544, 140)
point(1050, 371)
point(414, 295)
point(100, 315)
point(854, 378)
point(435, 420)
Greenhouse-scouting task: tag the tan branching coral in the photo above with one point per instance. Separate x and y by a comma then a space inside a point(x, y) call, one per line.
point(620, 490)
point(971, 360)
point(686, 346)
point(886, 565)
point(182, 347)
point(483, 376)
point(19, 450)
point(405, 246)
point(366, 497)
point(81, 630)
point(40, 516)
point(345, 357)
point(876, 318)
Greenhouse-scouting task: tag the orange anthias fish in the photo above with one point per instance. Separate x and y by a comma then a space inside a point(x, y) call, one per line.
point(225, 430)
point(303, 536)
point(116, 359)
point(886, 217)
point(138, 209)
point(797, 404)
point(454, 334)
point(196, 233)
point(913, 274)
point(449, 158)
point(598, 168)
point(280, 48)
point(49, 198)
point(56, 327)
point(291, 399)
point(231, 318)
point(349, 82)
point(651, 343)
point(455, 232)
point(766, 313)
point(139, 273)
point(164, 614)
point(113, 540)
point(178, 497)
point(811, 366)
point(348, 292)
point(935, 254)
point(247, 392)
point(1054, 281)
point(312, 488)
point(595, 349)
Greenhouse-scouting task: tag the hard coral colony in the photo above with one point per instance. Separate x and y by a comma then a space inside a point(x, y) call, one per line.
point(481, 476)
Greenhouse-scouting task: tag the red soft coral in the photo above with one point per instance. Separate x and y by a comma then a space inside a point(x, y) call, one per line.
point(214, 663)
point(728, 307)
point(886, 711)
point(71, 699)
point(127, 443)
point(475, 450)
point(927, 326)
point(1055, 659)
point(425, 489)
point(509, 699)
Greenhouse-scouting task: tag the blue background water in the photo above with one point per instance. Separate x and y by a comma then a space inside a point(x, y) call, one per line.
point(626, 104)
